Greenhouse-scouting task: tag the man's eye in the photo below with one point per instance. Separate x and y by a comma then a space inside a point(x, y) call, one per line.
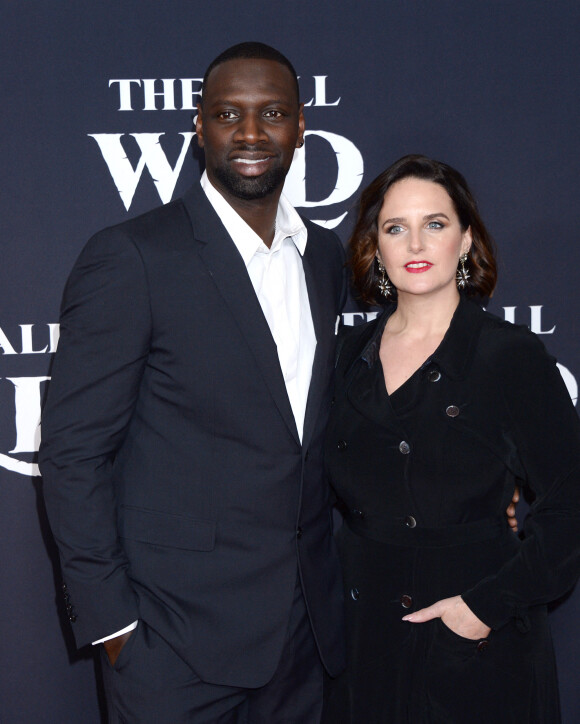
point(273, 114)
point(226, 115)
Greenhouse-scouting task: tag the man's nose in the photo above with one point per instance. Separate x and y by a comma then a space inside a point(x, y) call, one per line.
point(250, 129)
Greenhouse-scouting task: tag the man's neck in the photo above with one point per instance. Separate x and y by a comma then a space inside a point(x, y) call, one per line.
point(259, 214)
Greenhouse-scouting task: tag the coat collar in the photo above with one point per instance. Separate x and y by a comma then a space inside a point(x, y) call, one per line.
point(454, 354)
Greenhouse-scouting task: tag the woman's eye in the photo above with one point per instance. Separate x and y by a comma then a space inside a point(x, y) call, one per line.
point(434, 225)
point(394, 229)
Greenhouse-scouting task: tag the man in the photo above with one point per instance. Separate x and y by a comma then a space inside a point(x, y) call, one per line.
point(182, 436)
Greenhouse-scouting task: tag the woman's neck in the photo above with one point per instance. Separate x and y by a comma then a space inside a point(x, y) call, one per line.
point(423, 316)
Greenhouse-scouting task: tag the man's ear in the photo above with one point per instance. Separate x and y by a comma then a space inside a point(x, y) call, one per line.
point(199, 126)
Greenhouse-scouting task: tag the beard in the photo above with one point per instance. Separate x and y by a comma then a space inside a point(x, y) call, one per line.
point(255, 187)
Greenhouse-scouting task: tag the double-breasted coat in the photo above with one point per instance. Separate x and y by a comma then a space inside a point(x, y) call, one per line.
point(424, 477)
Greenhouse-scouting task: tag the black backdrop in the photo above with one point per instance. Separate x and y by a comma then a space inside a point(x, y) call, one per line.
point(488, 87)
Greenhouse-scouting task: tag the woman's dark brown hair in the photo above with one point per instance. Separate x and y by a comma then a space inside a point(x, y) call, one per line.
point(363, 242)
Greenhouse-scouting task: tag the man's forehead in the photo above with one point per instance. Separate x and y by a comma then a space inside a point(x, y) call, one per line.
point(247, 74)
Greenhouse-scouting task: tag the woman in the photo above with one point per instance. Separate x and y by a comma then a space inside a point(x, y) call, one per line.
point(440, 411)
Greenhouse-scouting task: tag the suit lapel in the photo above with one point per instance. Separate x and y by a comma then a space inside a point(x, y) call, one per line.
point(323, 330)
point(228, 271)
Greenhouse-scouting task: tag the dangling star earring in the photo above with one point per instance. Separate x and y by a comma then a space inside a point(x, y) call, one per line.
point(385, 286)
point(462, 276)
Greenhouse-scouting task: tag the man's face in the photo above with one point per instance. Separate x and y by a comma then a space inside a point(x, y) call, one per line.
point(249, 126)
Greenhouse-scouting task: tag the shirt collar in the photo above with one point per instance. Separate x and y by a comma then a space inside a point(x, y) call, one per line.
point(248, 243)
point(454, 354)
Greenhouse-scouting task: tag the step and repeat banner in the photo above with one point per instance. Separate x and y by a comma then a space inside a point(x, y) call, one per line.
point(97, 126)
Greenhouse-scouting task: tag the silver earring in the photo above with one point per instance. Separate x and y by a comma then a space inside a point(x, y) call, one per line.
point(462, 276)
point(300, 143)
point(385, 286)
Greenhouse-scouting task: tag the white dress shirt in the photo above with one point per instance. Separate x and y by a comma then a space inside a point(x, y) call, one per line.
point(277, 276)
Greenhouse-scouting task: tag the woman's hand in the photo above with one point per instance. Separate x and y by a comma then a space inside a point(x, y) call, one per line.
point(455, 614)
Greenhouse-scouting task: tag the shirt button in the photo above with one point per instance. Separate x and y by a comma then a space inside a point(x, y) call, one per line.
point(404, 447)
point(410, 522)
point(299, 532)
point(342, 445)
point(406, 601)
point(354, 594)
point(434, 376)
point(482, 645)
point(452, 411)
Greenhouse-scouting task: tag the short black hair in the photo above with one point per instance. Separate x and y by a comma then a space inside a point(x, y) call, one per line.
point(249, 51)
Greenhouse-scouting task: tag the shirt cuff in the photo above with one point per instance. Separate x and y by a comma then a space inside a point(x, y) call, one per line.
point(128, 628)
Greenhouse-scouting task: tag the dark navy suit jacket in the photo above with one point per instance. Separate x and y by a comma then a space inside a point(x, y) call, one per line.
point(176, 485)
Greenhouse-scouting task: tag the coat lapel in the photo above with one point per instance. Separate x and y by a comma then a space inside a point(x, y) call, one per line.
point(228, 271)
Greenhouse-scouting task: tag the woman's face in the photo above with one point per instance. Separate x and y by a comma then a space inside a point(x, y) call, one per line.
point(420, 238)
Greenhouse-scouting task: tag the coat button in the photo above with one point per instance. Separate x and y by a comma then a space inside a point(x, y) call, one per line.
point(64, 587)
point(341, 445)
point(72, 618)
point(358, 513)
point(410, 522)
point(354, 594)
point(299, 532)
point(434, 376)
point(406, 601)
point(452, 411)
point(482, 645)
point(404, 447)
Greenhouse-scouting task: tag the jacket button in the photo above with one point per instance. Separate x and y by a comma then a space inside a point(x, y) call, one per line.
point(410, 522)
point(342, 445)
point(434, 376)
point(299, 532)
point(354, 594)
point(404, 447)
point(72, 618)
point(452, 411)
point(358, 513)
point(64, 586)
point(406, 601)
point(482, 645)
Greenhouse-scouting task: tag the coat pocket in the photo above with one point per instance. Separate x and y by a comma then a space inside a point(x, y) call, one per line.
point(166, 529)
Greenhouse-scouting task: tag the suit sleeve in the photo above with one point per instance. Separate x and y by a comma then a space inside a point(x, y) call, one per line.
point(102, 351)
point(546, 432)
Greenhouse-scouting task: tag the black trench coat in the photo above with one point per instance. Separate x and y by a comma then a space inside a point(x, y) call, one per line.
point(424, 477)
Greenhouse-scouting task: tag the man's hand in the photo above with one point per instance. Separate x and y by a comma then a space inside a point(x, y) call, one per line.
point(113, 647)
point(456, 615)
point(511, 510)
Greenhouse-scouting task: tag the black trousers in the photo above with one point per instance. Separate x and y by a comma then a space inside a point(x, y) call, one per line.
point(151, 684)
